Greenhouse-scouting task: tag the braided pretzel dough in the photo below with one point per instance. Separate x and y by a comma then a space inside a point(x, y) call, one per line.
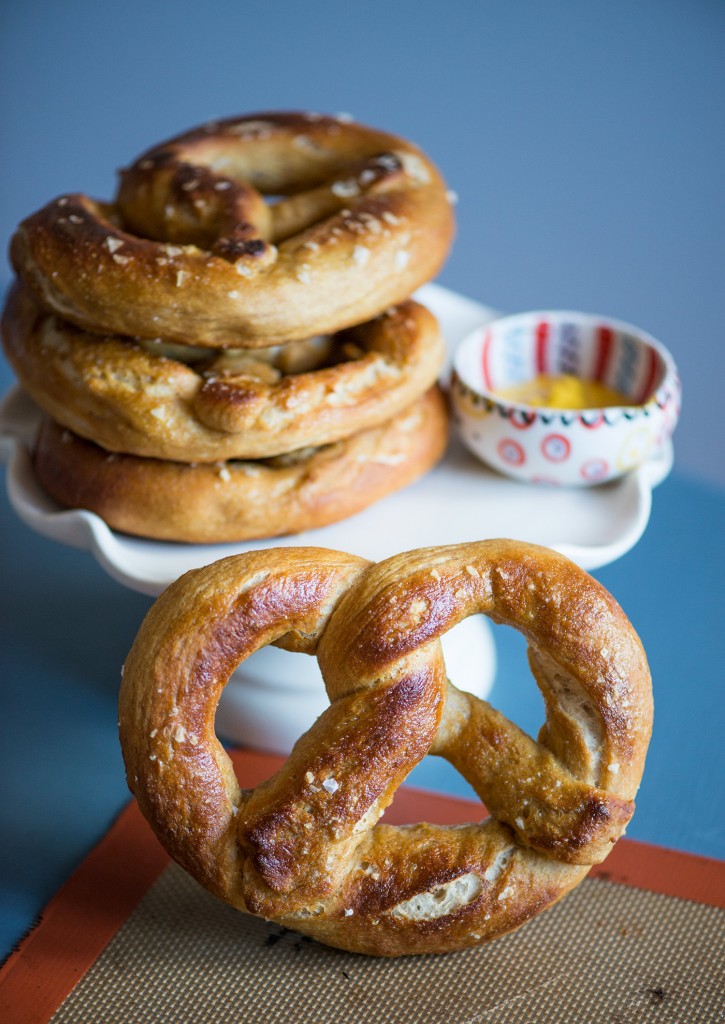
point(191, 253)
point(304, 848)
point(127, 399)
point(216, 503)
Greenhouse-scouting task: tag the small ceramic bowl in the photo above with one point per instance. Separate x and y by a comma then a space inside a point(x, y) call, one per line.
point(559, 446)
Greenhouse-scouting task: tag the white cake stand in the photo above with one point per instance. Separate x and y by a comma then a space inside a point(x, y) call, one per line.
point(275, 696)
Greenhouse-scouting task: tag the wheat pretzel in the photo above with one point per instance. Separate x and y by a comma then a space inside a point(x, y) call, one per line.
point(213, 503)
point(304, 848)
point(190, 252)
point(128, 399)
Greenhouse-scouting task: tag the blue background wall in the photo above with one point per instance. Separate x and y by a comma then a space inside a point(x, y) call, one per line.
point(585, 141)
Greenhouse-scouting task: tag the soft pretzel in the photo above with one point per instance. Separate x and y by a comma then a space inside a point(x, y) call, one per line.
point(304, 849)
point(191, 253)
point(233, 501)
point(129, 399)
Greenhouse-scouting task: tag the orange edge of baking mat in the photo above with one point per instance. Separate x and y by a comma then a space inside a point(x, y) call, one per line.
point(101, 894)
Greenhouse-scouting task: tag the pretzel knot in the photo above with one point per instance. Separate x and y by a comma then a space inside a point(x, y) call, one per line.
point(304, 848)
point(191, 250)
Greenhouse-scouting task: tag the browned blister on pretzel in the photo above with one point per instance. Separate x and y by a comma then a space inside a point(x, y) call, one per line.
point(306, 848)
point(191, 252)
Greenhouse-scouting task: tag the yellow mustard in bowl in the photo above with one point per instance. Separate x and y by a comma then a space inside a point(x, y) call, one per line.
point(563, 392)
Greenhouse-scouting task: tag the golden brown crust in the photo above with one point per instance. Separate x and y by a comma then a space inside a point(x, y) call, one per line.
point(127, 399)
point(233, 501)
point(190, 253)
point(304, 848)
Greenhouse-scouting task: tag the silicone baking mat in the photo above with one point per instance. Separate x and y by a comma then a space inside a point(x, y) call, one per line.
point(132, 938)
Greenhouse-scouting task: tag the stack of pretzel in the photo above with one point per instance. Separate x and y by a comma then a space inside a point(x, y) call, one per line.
point(229, 349)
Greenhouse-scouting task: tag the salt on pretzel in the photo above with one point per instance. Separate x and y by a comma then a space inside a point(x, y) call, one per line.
point(129, 399)
point(191, 253)
point(303, 848)
point(214, 503)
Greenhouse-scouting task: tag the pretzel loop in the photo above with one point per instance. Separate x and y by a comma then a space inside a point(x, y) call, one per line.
point(194, 253)
point(304, 848)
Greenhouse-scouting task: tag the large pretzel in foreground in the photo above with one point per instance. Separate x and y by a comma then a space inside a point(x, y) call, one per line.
point(304, 848)
point(191, 252)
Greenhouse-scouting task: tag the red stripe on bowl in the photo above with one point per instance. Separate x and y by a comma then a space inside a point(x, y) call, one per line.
point(485, 367)
point(542, 344)
point(605, 338)
point(650, 380)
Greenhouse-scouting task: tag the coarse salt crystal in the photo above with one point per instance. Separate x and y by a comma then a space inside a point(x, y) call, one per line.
point(389, 460)
point(113, 244)
point(224, 474)
point(304, 142)
point(331, 785)
point(117, 258)
point(388, 162)
point(402, 258)
point(415, 167)
point(181, 276)
point(345, 188)
point(371, 223)
point(360, 255)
